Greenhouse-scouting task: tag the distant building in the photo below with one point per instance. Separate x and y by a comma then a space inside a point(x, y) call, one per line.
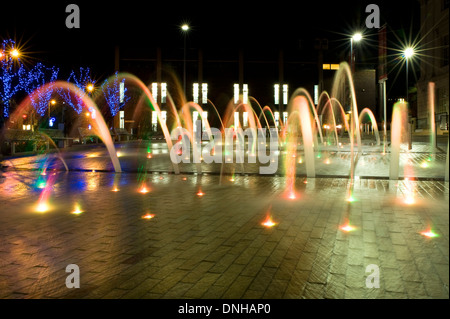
point(434, 63)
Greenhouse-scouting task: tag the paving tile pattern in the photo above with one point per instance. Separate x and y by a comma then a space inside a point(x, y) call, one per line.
point(214, 246)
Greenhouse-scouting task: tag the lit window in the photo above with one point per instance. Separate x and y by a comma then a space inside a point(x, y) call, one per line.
point(285, 117)
point(245, 119)
point(236, 93)
point(285, 94)
point(277, 118)
point(194, 120)
point(204, 119)
point(195, 92)
point(163, 92)
point(155, 91)
point(245, 93)
point(122, 119)
point(236, 119)
point(276, 94)
point(334, 67)
point(204, 93)
point(316, 94)
point(122, 92)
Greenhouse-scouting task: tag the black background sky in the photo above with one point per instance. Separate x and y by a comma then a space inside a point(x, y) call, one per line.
point(39, 27)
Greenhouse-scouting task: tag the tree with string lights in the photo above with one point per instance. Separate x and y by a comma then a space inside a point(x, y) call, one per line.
point(84, 82)
point(12, 72)
point(33, 84)
point(115, 93)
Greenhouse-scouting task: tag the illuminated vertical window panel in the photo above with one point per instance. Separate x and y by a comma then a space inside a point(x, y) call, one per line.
point(316, 94)
point(245, 93)
point(285, 117)
point(122, 92)
point(122, 119)
point(154, 121)
point(195, 92)
point(194, 120)
point(155, 91)
point(236, 93)
point(245, 119)
point(164, 116)
point(277, 118)
point(285, 94)
point(163, 92)
point(204, 93)
point(236, 119)
point(204, 119)
point(276, 94)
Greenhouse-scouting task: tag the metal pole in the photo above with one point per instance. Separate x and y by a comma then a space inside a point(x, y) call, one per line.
point(184, 66)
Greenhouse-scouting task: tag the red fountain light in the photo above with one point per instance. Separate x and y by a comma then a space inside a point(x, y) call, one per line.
point(347, 227)
point(268, 222)
point(144, 190)
point(200, 193)
point(148, 216)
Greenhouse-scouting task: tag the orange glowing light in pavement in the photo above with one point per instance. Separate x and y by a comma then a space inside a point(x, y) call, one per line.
point(429, 233)
point(347, 227)
point(409, 200)
point(77, 210)
point(268, 222)
point(149, 155)
point(42, 207)
point(148, 216)
point(143, 190)
point(200, 193)
point(115, 189)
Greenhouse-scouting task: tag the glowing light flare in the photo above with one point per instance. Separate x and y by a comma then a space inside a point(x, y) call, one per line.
point(200, 193)
point(350, 199)
point(148, 216)
point(149, 155)
point(429, 233)
point(409, 200)
point(268, 222)
point(77, 210)
point(144, 189)
point(115, 189)
point(42, 207)
point(347, 227)
point(408, 53)
point(424, 165)
point(292, 195)
point(15, 53)
point(90, 87)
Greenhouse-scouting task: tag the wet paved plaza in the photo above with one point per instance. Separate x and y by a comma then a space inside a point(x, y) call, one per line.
point(214, 245)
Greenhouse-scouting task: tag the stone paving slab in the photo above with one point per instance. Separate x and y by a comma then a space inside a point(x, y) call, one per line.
point(214, 246)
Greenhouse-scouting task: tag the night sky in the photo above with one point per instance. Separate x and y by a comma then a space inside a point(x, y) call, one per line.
point(260, 27)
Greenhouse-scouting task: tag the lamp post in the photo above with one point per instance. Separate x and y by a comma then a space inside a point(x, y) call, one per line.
point(185, 29)
point(355, 38)
point(408, 53)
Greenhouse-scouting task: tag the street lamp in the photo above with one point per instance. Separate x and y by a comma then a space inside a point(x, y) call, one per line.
point(15, 53)
point(185, 29)
point(355, 38)
point(90, 87)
